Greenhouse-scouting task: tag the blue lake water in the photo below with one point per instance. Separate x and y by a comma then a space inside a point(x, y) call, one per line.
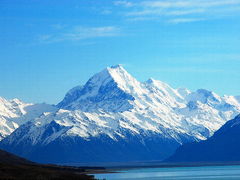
point(189, 173)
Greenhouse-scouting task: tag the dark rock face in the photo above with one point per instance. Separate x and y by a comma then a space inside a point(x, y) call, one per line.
point(223, 146)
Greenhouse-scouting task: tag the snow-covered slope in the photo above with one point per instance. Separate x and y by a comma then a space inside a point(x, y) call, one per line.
point(223, 146)
point(113, 112)
point(116, 93)
point(109, 90)
point(15, 112)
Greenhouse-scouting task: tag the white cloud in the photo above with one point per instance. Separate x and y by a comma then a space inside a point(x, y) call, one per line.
point(183, 20)
point(165, 4)
point(185, 12)
point(78, 33)
point(106, 12)
point(178, 9)
point(85, 33)
point(142, 19)
point(58, 26)
point(188, 4)
point(123, 3)
point(163, 12)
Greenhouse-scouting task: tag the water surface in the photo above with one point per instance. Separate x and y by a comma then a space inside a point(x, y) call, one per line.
point(189, 173)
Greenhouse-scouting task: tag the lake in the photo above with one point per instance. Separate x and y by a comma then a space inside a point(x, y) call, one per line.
point(181, 173)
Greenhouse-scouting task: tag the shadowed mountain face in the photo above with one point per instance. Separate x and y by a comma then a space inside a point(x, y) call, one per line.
point(114, 118)
point(73, 150)
point(223, 146)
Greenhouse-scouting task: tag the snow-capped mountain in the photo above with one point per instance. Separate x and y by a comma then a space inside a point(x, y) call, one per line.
point(223, 146)
point(115, 91)
point(14, 113)
point(114, 117)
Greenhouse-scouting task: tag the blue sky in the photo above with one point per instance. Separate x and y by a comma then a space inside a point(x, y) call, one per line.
point(50, 46)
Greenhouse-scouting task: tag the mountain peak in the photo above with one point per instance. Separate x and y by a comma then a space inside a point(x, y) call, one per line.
point(122, 78)
point(113, 85)
point(117, 70)
point(156, 82)
point(118, 66)
point(115, 74)
point(204, 96)
point(159, 84)
point(150, 81)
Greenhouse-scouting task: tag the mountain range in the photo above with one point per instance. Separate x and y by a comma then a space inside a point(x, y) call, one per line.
point(223, 146)
point(14, 113)
point(113, 118)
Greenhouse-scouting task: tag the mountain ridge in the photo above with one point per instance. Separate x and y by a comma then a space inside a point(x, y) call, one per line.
point(14, 113)
point(114, 107)
point(223, 146)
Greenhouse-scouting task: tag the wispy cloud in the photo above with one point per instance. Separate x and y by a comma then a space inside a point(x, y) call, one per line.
point(189, 3)
point(171, 10)
point(106, 12)
point(124, 3)
point(183, 20)
point(78, 33)
point(58, 26)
